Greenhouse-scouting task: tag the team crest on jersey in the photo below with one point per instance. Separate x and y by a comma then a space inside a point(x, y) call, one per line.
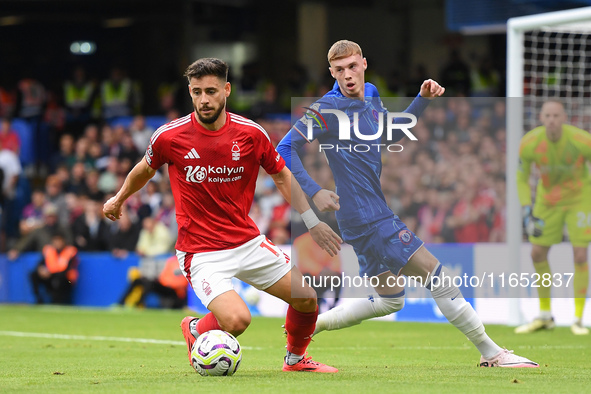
point(375, 114)
point(235, 151)
point(405, 237)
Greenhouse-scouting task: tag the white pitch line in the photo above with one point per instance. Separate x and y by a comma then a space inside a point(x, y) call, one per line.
point(181, 343)
point(100, 338)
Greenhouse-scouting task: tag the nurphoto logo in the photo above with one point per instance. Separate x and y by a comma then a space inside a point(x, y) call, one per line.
point(345, 126)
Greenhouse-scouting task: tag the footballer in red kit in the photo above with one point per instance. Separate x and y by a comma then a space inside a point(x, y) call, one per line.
point(213, 177)
point(213, 159)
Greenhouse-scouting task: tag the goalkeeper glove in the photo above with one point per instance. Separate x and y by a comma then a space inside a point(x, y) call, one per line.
point(533, 226)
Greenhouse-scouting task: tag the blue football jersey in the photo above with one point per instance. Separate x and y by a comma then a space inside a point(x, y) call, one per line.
point(356, 162)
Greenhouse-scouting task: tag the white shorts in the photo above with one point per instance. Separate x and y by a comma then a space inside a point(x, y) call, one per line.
point(257, 262)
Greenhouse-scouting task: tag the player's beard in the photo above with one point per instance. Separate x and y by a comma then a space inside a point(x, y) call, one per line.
point(211, 118)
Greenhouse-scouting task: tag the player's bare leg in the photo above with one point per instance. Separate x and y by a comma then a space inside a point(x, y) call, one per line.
point(580, 282)
point(459, 312)
point(545, 321)
point(228, 313)
point(353, 312)
point(299, 322)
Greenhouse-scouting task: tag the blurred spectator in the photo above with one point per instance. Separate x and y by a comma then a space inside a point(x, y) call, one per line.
point(154, 239)
point(90, 230)
point(118, 95)
point(109, 142)
point(418, 75)
point(91, 133)
point(268, 104)
point(32, 217)
point(65, 155)
point(37, 239)
point(470, 214)
point(31, 97)
point(128, 150)
point(151, 196)
point(172, 115)
point(169, 92)
point(55, 195)
point(166, 214)
point(432, 216)
point(10, 166)
point(7, 96)
point(54, 116)
point(140, 133)
point(57, 271)
point(91, 186)
point(107, 182)
point(123, 235)
point(170, 286)
point(79, 96)
point(485, 79)
point(455, 76)
point(256, 215)
point(81, 152)
point(9, 138)
point(77, 180)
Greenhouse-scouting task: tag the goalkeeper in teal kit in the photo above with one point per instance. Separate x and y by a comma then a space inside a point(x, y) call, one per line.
point(385, 247)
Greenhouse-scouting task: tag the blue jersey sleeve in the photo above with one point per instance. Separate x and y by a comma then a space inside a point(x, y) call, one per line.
point(416, 108)
point(288, 148)
point(309, 127)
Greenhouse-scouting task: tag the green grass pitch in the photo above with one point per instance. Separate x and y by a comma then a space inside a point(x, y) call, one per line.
point(100, 350)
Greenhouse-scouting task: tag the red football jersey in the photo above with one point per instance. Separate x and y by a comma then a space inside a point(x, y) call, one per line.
point(213, 177)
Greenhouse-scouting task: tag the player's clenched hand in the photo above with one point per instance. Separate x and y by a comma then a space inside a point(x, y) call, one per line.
point(112, 209)
point(327, 239)
point(326, 201)
point(533, 226)
point(431, 89)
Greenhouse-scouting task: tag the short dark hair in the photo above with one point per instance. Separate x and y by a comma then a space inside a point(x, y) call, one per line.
point(207, 66)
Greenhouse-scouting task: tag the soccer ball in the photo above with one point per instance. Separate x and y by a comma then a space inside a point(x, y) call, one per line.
point(216, 353)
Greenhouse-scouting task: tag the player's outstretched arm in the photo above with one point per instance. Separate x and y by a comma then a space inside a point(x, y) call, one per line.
point(321, 233)
point(431, 89)
point(136, 179)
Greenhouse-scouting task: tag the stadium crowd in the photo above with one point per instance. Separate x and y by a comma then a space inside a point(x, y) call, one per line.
point(448, 187)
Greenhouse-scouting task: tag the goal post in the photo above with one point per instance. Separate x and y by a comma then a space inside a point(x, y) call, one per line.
point(552, 51)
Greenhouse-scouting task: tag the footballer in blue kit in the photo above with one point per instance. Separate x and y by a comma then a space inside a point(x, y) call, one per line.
point(353, 129)
point(364, 217)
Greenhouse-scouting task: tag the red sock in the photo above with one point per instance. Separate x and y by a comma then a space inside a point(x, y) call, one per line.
point(207, 323)
point(299, 326)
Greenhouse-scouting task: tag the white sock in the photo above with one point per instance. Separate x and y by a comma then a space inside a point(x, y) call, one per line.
point(545, 315)
point(355, 311)
point(460, 313)
point(193, 328)
point(292, 359)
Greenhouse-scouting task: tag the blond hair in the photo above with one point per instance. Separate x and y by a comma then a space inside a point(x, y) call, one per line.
point(343, 48)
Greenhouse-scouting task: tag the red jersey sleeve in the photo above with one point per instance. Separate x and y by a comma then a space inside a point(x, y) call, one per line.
point(269, 158)
point(157, 152)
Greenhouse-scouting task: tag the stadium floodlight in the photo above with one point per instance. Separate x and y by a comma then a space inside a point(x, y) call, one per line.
point(548, 55)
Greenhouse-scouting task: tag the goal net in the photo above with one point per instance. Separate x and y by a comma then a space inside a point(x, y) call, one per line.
point(557, 64)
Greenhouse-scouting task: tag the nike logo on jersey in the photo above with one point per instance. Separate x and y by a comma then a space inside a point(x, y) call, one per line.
point(192, 154)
